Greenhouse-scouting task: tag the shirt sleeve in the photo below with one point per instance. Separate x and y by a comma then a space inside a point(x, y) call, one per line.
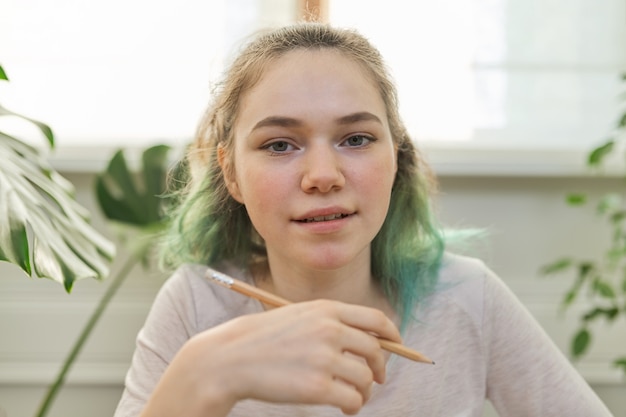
point(527, 374)
point(169, 324)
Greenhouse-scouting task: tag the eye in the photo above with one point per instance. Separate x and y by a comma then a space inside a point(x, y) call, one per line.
point(279, 146)
point(356, 141)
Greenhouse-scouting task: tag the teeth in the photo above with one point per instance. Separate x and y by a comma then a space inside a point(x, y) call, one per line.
point(325, 218)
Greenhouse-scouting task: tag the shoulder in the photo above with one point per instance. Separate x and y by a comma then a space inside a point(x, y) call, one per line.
point(468, 273)
point(458, 268)
point(468, 284)
point(462, 280)
point(472, 289)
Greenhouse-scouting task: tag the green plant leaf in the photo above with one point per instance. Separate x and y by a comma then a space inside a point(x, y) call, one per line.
point(572, 293)
point(598, 154)
point(44, 128)
point(155, 165)
point(576, 199)
point(609, 313)
point(580, 343)
point(134, 198)
point(569, 298)
point(604, 289)
point(124, 180)
point(121, 182)
point(3, 75)
point(48, 232)
point(620, 363)
point(615, 254)
point(585, 268)
point(118, 199)
point(557, 266)
point(14, 238)
point(618, 217)
point(622, 121)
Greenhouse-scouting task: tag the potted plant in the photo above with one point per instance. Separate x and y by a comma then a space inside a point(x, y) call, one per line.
point(603, 279)
point(47, 233)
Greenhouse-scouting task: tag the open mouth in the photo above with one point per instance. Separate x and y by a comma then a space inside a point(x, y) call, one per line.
point(324, 218)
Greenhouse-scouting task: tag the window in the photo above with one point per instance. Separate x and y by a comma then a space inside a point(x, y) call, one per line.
point(503, 74)
point(118, 72)
point(523, 73)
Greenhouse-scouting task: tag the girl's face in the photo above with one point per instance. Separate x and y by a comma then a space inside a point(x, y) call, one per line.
point(314, 160)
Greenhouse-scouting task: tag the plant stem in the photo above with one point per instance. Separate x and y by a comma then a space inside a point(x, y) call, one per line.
point(55, 387)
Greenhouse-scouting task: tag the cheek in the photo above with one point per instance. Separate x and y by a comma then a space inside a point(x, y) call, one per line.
point(261, 190)
point(379, 185)
point(381, 176)
point(266, 199)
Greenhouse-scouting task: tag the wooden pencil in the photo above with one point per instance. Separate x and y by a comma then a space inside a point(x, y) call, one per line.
point(275, 301)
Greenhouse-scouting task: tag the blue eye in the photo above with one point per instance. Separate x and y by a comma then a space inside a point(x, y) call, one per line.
point(358, 140)
point(280, 146)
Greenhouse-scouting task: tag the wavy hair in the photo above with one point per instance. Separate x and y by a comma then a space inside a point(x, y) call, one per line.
point(208, 226)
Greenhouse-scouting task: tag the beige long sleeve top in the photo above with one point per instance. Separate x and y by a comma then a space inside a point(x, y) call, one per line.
point(486, 345)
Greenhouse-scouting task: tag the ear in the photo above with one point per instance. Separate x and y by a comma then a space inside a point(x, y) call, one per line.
point(228, 172)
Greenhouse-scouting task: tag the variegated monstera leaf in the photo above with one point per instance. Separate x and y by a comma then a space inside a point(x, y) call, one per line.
point(43, 229)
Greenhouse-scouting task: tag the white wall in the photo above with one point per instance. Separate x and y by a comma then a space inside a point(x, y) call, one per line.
point(530, 226)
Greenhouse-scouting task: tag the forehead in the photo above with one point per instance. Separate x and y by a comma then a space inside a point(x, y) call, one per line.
point(322, 57)
point(321, 80)
point(310, 62)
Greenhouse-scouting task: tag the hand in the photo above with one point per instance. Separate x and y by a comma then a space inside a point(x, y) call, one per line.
point(317, 352)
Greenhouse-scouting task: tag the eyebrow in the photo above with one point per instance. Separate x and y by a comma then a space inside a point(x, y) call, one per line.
point(283, 121)
point(362, 116)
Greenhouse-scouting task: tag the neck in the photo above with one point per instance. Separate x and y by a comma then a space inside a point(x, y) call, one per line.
point(351, 284)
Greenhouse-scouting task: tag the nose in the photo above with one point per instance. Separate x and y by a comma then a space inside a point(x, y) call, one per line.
point(323, 170)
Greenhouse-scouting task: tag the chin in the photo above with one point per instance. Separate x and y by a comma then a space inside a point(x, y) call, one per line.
point(328, 262)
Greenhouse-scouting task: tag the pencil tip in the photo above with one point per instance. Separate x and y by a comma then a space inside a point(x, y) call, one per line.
point(433, 362)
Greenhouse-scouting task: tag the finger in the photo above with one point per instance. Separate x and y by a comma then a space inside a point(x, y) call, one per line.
point(354, 371)
point(314, 352)
point(367, 319)
point(354, 404)
point(351, 334)
point(367, 348)
point(341, 394)
point(343, 338)
point(318, 385)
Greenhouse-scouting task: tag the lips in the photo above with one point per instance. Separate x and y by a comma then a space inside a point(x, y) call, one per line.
point(329, 217)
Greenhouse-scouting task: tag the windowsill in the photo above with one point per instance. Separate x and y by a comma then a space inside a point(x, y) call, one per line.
point(447, 159)
point(473, 160)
